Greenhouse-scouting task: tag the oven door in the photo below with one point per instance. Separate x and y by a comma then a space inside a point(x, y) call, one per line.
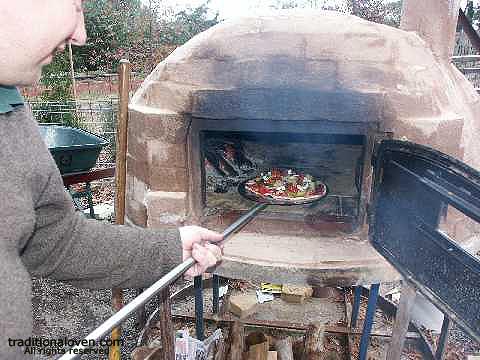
point(413, 185)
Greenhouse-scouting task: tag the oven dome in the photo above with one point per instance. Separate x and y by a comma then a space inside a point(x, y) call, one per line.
point(417, 96)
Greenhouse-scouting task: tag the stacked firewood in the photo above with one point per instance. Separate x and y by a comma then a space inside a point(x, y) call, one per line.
point(259, 346)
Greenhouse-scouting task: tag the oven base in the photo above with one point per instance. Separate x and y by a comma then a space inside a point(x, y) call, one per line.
point(317, 261)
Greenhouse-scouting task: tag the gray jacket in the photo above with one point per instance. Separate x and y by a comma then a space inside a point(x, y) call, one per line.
point(41, 234)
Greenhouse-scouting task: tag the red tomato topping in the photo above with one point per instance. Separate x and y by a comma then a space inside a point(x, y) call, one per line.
point(292, 188)
point(263, 190)
point(276, 173)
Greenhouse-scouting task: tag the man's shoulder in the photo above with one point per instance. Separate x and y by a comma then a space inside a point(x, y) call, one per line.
point(9, 98)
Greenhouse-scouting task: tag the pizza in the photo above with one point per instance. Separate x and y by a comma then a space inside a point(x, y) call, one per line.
point(286, 184)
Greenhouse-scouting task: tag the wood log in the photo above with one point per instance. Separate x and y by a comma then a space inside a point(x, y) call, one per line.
point(221, 347)
point(402, 320)
point(314, 342)
point(254, 338)
point(258, 352)
point(298, 348)
point(272, 355)
point(166, 324)
point(146, 353)
point(237, 340)
point(284, 349)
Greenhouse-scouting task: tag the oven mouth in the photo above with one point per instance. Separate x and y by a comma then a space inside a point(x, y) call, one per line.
point(229, 158)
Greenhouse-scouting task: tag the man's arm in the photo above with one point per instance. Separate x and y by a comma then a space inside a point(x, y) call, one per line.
point(88, 253)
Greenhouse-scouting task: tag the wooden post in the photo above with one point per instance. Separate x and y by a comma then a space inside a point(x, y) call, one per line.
point(314, 342)
point(72, 74)
point(237, 340)
point(120, 182)
point(166, 325)
point(402, 320)
point(284, 348)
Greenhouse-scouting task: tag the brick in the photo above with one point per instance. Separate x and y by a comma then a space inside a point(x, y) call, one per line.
point(137, 146)
point(136, 189)
point(243, 305)
point(162, 154)
point(175, 128)
point(296, 294)
point(165, 208)
point(170, 127)
point(162, 201)
point(168, 179)
point(143, 125)
point(138, 168)
point(136, 212)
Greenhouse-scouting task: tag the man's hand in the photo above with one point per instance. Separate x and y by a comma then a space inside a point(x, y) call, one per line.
point(197, 243)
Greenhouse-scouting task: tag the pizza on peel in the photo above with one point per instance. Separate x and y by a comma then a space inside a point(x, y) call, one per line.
point(287, 184)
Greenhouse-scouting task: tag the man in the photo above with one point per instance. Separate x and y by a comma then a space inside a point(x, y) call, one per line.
point(40, 233)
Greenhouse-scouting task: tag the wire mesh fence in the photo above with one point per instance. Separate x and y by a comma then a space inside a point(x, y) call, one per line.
point(469, 67)
point(87, 86)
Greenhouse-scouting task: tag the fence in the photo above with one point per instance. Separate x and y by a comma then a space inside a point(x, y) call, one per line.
point(88, 86)
point(471, 67)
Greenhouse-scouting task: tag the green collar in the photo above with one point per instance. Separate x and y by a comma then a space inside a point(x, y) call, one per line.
point(9, 96)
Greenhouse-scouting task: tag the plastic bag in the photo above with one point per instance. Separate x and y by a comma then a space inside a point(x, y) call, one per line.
point(189, 348)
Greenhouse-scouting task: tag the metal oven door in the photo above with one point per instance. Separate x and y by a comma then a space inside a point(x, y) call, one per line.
point(413, 185)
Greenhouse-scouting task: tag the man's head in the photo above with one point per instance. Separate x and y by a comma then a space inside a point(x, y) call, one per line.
point(32, 31)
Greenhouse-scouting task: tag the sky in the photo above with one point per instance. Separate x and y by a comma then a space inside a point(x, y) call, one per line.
point(236, 8)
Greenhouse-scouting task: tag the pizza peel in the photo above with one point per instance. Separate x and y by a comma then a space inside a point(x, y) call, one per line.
point(261, 203)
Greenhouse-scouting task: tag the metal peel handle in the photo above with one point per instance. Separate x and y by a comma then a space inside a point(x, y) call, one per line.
point(146, 295)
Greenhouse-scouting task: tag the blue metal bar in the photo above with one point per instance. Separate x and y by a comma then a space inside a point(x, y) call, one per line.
point(198, 287)
point(88, 191)
point(442, 341)
point(357, 296)
point(368, 323)
point(216, 293)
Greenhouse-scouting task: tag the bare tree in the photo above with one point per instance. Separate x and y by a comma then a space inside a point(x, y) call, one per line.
point(380, 11)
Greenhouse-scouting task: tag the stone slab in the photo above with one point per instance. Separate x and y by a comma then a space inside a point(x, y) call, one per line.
point(243, 305)
point(313, 260)
point(295, 293)
point(290, 104)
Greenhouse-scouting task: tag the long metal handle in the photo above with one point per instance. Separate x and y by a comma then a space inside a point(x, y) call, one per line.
point(243, 220)
point(158, 286)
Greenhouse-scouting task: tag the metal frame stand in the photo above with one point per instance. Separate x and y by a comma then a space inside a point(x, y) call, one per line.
point(216, 293)
point(198, 287)
point(369, 317)
point(442, 342)
point(368, 323)
point(82, 194)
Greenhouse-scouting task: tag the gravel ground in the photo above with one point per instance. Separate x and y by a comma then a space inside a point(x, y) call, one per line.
point(61, 310)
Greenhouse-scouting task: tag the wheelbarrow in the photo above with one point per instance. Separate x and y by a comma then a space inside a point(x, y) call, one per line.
point(75, 152)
